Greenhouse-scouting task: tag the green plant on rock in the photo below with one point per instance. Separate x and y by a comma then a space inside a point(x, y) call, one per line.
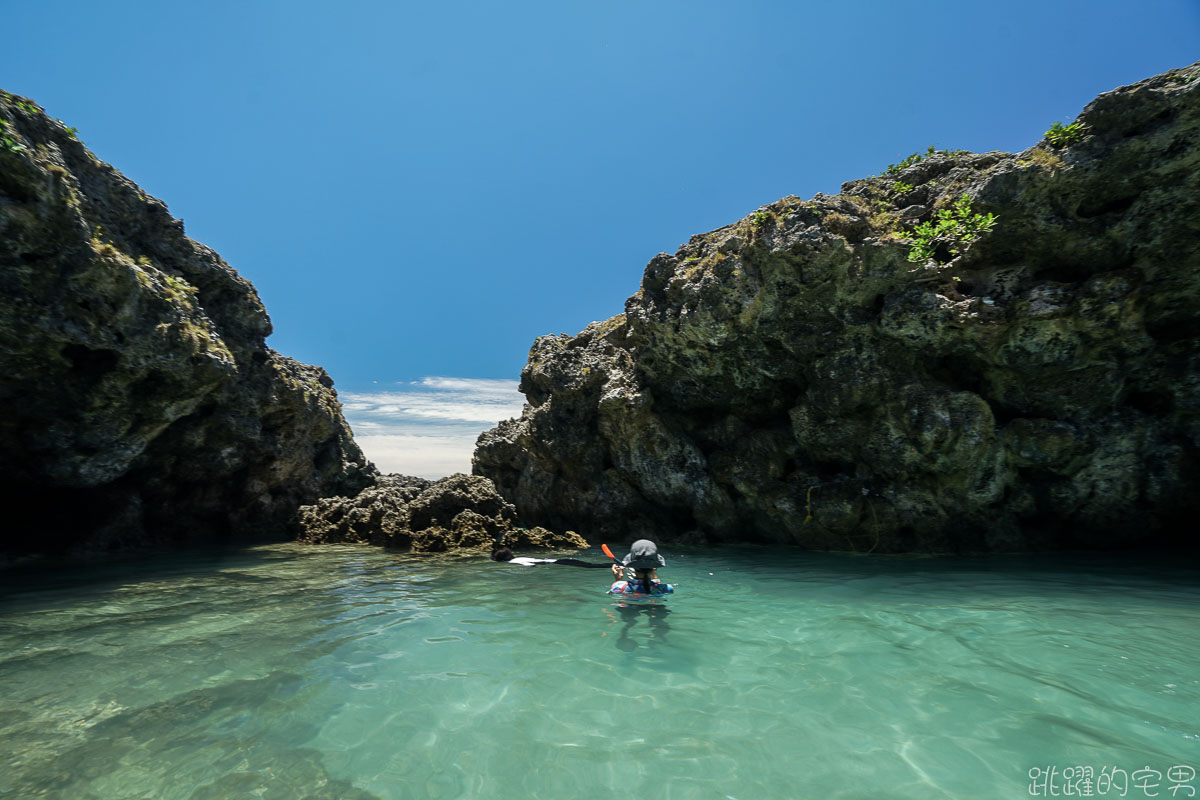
point(908, 161)
point(917, 158)
point(758, 218)
point(886, 223)
point(1043, 156)
point(863, 204)
point(7, 140)
point(837, 222)
point(179, 290)
point(1181, 77)
point(1061, 135)
point(958, 225)
point(900, 187)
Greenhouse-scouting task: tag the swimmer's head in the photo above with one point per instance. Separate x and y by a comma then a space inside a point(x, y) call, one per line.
point(502, 554)
point(643, 554)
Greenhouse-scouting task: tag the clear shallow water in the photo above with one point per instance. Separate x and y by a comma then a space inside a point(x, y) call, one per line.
point(351, 673)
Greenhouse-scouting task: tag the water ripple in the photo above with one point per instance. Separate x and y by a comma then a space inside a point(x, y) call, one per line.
point(348, 672)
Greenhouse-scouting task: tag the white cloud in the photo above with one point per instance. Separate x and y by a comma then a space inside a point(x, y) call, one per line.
point(429, 427)
point(424, 456)
point(476, 386)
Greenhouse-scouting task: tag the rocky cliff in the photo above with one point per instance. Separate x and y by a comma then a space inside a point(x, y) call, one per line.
point(985, 352)
point(138, 401)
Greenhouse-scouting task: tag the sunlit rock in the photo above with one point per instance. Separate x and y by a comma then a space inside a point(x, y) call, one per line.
point(795, 377)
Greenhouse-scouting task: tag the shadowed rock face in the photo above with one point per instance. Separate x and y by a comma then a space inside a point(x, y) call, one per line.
point(138, 401)
point(793, 377)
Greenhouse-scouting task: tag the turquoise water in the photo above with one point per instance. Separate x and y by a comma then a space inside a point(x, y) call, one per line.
point(346, 672)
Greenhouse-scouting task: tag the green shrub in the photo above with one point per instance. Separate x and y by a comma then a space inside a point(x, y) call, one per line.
point(957, 224)
point(759, 217)
point(917, 158)
point(1061, 135)
point(908, 161)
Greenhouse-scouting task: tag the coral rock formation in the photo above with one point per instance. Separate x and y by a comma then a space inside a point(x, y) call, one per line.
point(794, 377)
point(461, 512)
point(139, 403)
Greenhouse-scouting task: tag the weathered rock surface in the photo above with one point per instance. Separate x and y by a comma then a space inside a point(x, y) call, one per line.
point(794, 378)
point(138, 402)
point(461, 512)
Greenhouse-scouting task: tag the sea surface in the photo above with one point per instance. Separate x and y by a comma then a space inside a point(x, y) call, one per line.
point(285, 672)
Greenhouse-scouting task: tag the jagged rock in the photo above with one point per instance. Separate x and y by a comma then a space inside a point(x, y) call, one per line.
point(540, 538)
point(793, 377)
point(139, 402)
point(471, 530)
point(377, 515)
point(449, 497)
point(434, 539)
point(461, 512)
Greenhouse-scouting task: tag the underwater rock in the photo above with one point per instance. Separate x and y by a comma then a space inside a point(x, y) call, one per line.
point(139, 403)
point(461, 512)
point(795, 378)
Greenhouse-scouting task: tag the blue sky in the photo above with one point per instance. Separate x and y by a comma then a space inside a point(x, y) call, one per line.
point(420, 190)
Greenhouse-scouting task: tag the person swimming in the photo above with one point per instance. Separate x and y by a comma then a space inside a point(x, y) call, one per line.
point(506, 554)
point(643, 554)
point(644, 560)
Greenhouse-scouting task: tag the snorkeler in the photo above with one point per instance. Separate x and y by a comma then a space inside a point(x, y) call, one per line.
point(643, 554)
point(505, 554)
point(643, 558)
